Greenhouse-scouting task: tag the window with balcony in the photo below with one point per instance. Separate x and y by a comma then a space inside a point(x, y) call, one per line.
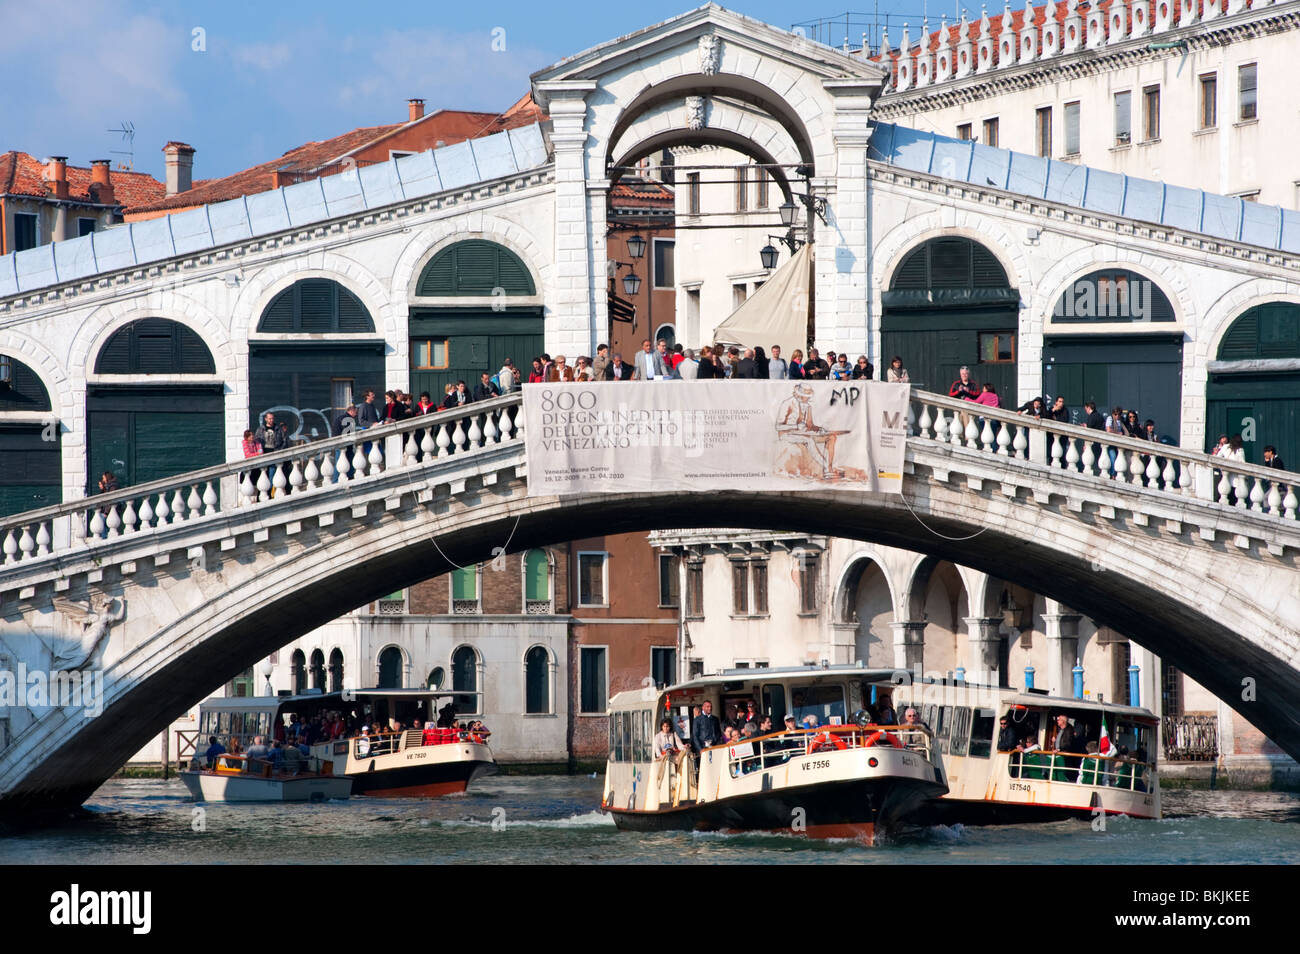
point(464, 591)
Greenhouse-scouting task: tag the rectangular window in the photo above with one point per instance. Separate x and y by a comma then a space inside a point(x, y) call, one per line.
point(763, 180)
point(341, 392)
point(663, 665)
point(1248, 90)
point(695, 589)
point(808, 583)
point(594, 679)
point(429, 354)
point(991, 132)
point(997, 348)
point(1043, 131)
point(591, 579)
point(464, 585)
point(1150, 113)
point(1123, 118)
point(669, 588)
point(663, 264)
point(739, 292)
point(742, 189)
point(24, 232)
point(1209, 114)
point(85, 227)
point(739, 588)
point(963, 131)
point(1071, 129)
point(981, 735)
point(758, 579)
point(693, 193)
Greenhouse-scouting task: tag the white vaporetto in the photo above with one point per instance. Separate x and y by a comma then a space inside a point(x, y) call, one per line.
point(715, 435)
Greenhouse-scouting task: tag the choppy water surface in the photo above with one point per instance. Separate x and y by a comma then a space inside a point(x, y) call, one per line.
point(551, 819)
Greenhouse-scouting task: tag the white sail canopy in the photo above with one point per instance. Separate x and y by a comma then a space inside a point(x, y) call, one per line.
point(776, 314)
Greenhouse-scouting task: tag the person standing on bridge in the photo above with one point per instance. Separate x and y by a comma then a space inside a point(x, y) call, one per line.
point(270, 435)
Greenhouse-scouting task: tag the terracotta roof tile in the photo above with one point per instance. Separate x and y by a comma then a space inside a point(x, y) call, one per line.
point(22, 174)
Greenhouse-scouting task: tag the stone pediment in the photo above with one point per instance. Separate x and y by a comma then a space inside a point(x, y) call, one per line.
point(689, 35)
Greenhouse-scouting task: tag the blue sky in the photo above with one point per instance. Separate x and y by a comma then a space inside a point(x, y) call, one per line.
point(273, 75)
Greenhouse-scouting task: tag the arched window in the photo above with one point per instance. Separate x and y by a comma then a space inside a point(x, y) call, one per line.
point(437, 678)
point(667, 334)
point(390, 668)
point(155, 346)
point(537, 681)
point(30, 477)
point(318, 670)
point(316, 305)
point(298, 672)
point(1253, 389)
point(464, 670)
point(336, 670)
point(537, 582)
point(475, 267)
point(949, 263)
point(1113, 295)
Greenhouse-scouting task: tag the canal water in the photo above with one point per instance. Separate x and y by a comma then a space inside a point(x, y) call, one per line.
point(552, 819)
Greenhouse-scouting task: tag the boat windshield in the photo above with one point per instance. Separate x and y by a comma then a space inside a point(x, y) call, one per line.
point(825, 703)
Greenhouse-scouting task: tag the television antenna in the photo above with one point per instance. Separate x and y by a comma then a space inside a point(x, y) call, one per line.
point(127, 130)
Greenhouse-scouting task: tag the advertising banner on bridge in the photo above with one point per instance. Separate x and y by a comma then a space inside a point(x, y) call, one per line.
point(715, 435)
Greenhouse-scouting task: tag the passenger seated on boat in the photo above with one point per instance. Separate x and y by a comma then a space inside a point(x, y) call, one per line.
point(885, 714)
point(215, 748)
point(667, 745)
point(277, 756)
point(292, 759)
point(912, 720)
point(1031, 760)
point(1139, 769)
point(1123, 770)
point(1088, 769)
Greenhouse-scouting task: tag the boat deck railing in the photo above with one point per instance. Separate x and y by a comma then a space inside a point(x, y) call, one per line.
point(777, 748)
point(386, 743)
point(243, 765)
point(1080, 768)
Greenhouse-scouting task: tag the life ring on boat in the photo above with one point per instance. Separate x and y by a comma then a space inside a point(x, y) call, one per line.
point(876, 737)
point(825, 742)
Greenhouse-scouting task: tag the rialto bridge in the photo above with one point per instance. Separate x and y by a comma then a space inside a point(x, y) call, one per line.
point(162, 341)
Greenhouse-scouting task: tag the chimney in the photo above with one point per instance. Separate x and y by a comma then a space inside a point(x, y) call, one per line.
point(180, 167)
point(415, 107)
point(101, 186)
point(56, 173)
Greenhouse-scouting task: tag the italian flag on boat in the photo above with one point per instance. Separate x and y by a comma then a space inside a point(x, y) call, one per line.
point(1103, 744)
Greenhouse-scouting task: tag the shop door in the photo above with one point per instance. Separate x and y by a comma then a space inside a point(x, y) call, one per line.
point(1142, 374)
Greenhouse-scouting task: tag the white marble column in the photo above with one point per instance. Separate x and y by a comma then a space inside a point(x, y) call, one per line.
point(909, 644)
point(1062, 630)
point(982, 642)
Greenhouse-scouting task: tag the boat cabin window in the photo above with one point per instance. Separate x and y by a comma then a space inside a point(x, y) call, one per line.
point(1024, 723)
point(824, 702)
point(981, 734)
point(959, 734)
point(774, 703)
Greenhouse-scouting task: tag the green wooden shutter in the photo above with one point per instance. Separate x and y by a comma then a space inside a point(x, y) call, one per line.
point(475, 267)
point(25, 391)
point(536, 576)
point(278, 316)
point(463, 584)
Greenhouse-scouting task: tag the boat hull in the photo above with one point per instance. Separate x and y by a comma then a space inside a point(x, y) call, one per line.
point(852, 808)
point(420, 781)
point(223, 787)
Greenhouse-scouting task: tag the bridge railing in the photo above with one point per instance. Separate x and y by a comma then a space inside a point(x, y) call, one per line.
point(262, 481)
point(1126, 460)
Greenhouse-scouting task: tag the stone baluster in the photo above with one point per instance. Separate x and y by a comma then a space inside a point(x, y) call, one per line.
point(924, 423)
point(98, 525)
point(11, 547)
point(1136, 468)
point(1072, 457)
point(475, 434)
point(312, 474)
point(428, 449)
point(940, 426)
point(114, 521)
point(210, 499)
point(972, 433)
point(1273, 502)
point(147, 514)
point(519, 422)
point(490, 433)
point(263, 485)
point(1056, 450)
point(278, 481)
point(506, 425)
point(458, 437)
point(1021, 443)
point(130, 519)
point(296, 479)
point(27, 543)
point(1239, 489)
point(1225, 487)
point(1169, 479)
point(376, 458)
point(410, 450)
point(986, 436)
point(1004, 439)
point(1088, 459)
point(359, 461)
point(1290, 503)
point(43, 538)
point(1186, 479)
point(444, 443)
point(247, 490)
point(194, 502)
point(164, 509)
point(1121, 465)
point(344, 465)
point(179, 506)
point(329, 473)
point(1257, 495)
